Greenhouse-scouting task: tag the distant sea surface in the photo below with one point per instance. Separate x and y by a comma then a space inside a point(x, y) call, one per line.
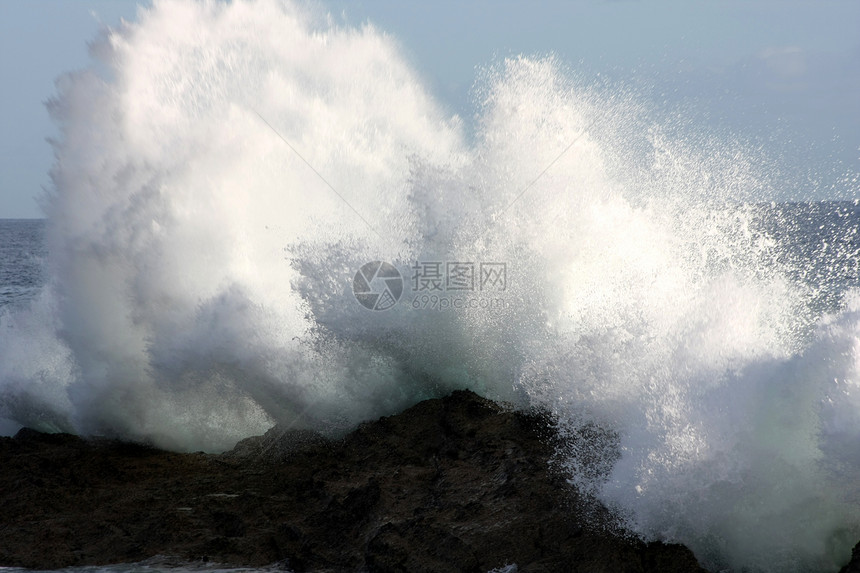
point(22, 256)
point(819, 241)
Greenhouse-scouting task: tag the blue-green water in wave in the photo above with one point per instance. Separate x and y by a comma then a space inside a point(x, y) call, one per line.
point(200, 274)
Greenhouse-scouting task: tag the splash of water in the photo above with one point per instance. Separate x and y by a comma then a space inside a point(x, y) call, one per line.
point(224, 170)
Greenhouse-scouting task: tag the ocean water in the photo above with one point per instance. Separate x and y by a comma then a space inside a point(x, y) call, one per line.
point(22, 257)
point(232, 177)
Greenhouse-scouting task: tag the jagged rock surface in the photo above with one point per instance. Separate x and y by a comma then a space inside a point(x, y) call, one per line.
point(853, 566)
point(453, 484)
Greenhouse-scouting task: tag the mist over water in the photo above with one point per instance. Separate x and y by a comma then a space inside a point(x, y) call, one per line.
point(225, 169)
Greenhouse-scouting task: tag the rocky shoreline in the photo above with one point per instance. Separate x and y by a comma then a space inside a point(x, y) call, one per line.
point(452, 484)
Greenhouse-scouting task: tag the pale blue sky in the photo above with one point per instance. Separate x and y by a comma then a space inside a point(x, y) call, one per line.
point(785, 72)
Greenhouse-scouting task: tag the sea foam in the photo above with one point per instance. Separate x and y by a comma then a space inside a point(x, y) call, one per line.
point(224, 170)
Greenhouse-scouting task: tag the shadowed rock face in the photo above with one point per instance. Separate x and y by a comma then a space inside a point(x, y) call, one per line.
point(853, 565)
point(454, 484)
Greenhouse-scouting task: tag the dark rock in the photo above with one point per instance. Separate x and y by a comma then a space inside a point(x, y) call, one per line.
point(454, 484)
point(853, 565)
point(277, 444)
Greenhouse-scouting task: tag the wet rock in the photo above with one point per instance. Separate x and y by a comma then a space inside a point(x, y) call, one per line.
point(853, 565)
point(454, 484)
